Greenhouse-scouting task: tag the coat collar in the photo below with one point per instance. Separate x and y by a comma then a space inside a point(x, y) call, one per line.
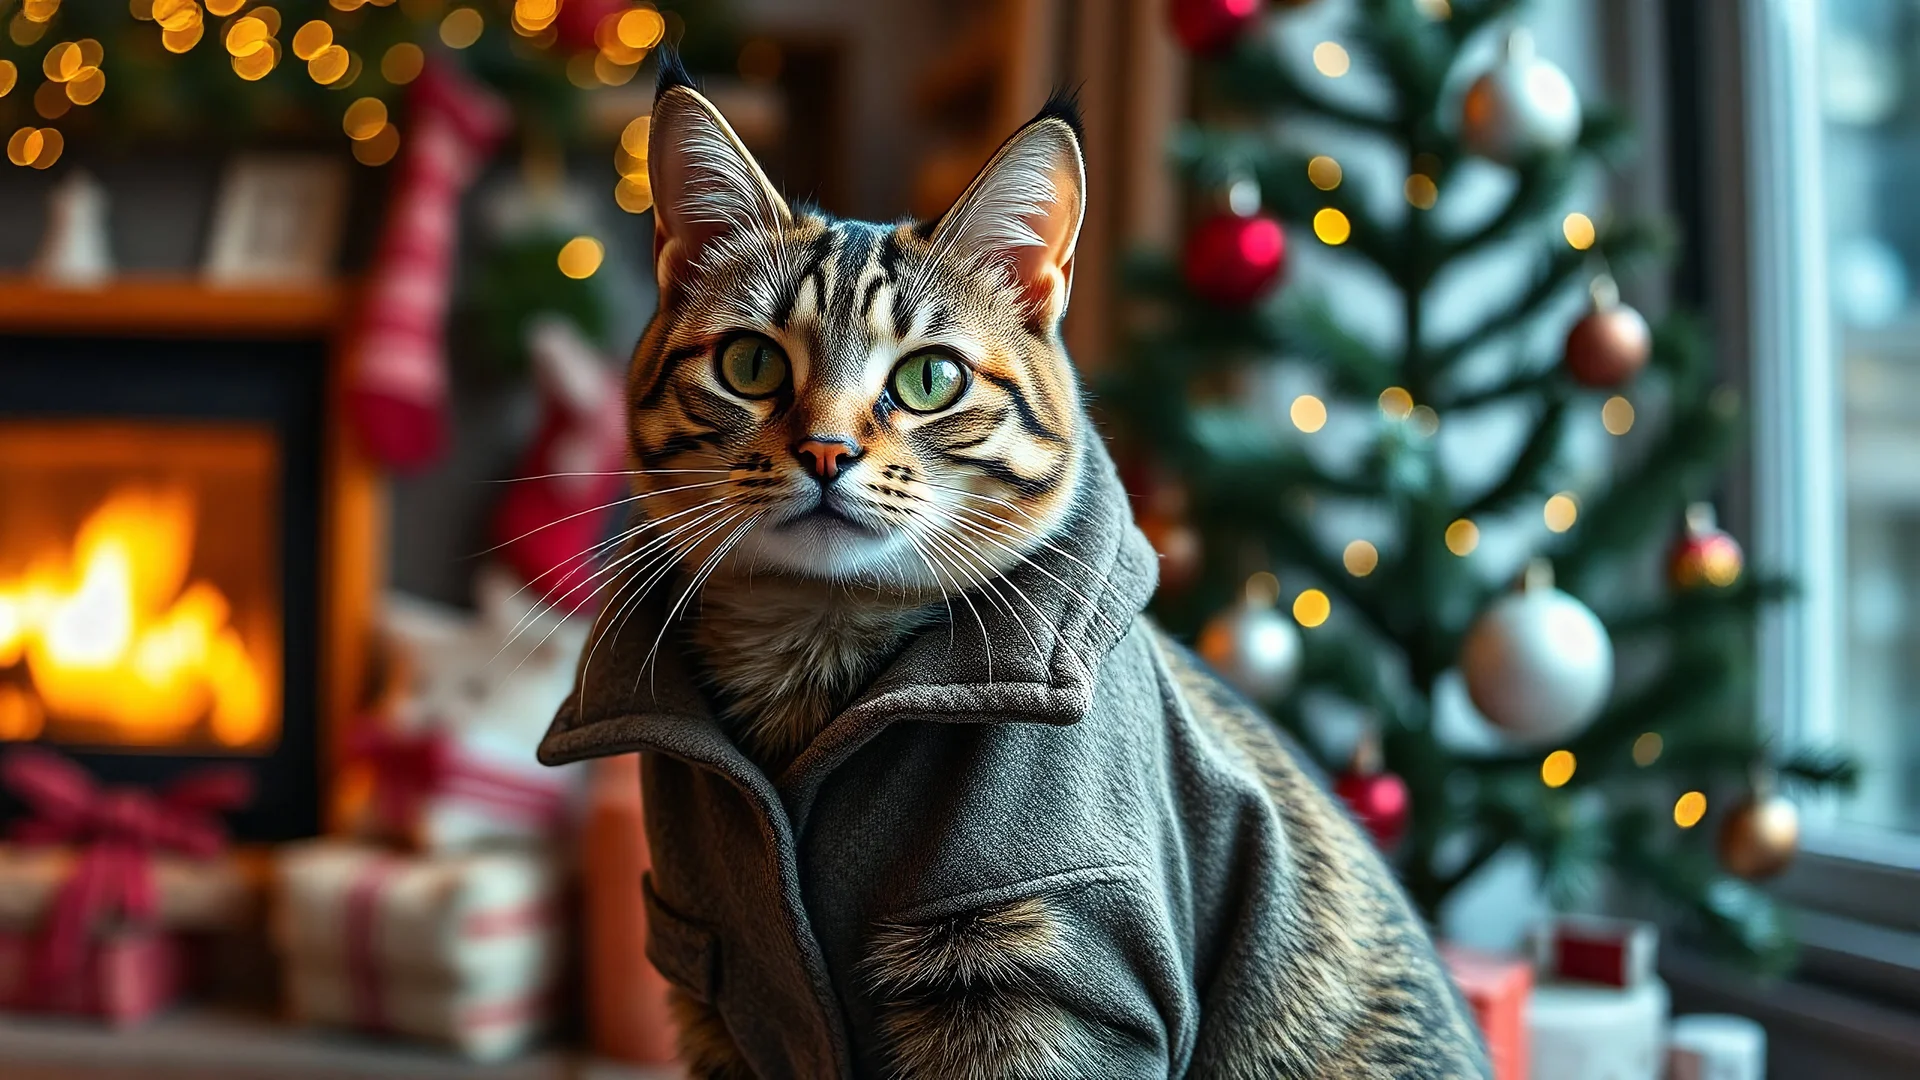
point(1022, 666)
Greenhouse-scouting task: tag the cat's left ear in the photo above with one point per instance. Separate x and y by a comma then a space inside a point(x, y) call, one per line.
point(1024, 208)
point(707, 189)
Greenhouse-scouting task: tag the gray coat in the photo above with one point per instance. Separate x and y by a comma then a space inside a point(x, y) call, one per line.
point(1088, 845)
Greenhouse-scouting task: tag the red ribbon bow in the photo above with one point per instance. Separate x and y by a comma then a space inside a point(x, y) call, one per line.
point(412, 767)
point(116, 830)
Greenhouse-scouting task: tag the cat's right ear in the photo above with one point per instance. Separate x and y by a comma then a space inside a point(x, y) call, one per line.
point(707, 189)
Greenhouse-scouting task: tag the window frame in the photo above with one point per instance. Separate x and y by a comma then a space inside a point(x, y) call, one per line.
point(1765, 245)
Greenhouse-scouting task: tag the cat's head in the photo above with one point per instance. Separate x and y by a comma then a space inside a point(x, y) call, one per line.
point(846, 401)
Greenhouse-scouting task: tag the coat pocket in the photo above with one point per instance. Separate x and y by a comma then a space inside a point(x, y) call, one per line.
point(685, 952)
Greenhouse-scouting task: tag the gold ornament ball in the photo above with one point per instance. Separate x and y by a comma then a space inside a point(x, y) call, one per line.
point(1760, 837)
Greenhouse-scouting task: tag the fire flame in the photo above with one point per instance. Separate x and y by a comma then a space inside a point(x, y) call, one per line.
point(115, 634)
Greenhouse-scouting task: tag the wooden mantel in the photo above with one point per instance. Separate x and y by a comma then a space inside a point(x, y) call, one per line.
point(168, 306)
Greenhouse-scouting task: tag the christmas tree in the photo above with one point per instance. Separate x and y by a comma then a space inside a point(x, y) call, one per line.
point(1619, 696)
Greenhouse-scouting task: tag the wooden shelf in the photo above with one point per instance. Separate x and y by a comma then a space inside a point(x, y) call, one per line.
point(171, 307)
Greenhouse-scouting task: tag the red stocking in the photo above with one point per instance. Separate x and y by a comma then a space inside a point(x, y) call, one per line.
point(398, 377)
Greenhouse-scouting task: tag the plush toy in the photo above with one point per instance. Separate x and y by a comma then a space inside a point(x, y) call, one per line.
point(557, 506)
point(446, 761)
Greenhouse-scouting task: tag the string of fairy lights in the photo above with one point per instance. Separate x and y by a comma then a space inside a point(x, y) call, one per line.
point(252, 36)
point(1308, 414)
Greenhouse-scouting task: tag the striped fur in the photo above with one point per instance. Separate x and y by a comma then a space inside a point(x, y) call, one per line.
point(1357, 992)
point(962, 997)
point(818, 585)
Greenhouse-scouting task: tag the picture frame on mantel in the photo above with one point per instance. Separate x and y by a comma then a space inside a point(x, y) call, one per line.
point(277, 220)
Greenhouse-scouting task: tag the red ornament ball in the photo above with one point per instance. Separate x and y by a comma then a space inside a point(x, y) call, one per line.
point(578, 20)
point(1705, 555)
point(1608, 347)
point(1231, 260)
point(1179, 547)
point(1380, 801)
point(1206, 26)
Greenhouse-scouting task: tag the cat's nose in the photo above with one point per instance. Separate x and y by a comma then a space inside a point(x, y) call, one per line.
point(826, 456)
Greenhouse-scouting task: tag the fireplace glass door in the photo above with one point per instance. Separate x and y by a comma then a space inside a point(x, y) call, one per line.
point(140, 583)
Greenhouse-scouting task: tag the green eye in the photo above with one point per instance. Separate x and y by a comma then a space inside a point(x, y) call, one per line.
point(928, 381)
point(752, 366)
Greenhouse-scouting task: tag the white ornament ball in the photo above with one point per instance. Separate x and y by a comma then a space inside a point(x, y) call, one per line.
point(1255, 647)
point(1522, 107)
point(1538, 663)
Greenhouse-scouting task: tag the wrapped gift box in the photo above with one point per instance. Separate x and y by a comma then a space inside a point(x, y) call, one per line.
point(123, 976)
point(189, 894)
point(1497, 989)
point(1588, 1031)
point(484, 1022)
point(458, 948)
point(103, 881)
point(1591, 948)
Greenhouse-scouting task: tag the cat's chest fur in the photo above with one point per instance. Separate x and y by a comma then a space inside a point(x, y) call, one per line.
point(784, 658)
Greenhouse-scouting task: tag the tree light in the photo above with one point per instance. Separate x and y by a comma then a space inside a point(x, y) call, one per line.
point(1557, 769)
point(1360, 558)
point(1689, 809)
point(1561, 512)
point(1308, 413)
point(1311, 608)
point(1462, 537)
point(1646, 748)
point(1331, 60)
point(1578, 229)
point(1332, 227)
point(580, 257)
point(1324, 173)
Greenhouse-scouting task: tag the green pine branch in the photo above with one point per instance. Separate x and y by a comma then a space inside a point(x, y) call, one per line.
point(1527, 476)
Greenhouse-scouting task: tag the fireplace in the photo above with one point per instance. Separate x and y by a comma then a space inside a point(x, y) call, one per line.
point(172, 587)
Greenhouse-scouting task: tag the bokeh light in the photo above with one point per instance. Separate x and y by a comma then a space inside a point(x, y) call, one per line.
point(364, 118)
point(461, 27)
point(311, 38)
point(1262, 588)
point(1561, 511)
point(1425, 420)
point(1617, 415)
point(330, 65)
point(9, 75)
point(1421, 191)
point(402, 63)
point(1311, 608)
point(1558, 768)
point(1578, 229)
point(379, 149)
point(1323, 172)
point(1360, 558)
point(1332, 227)
point(580, 257)
point(1396, 402)
point(1331, 60)
point(1308, 413)
point(1462, 537)
point(1689, 809)
point(1646, 748)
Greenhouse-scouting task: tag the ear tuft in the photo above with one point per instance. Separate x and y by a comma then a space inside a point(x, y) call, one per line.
point(1064, 105)
point(673, 72)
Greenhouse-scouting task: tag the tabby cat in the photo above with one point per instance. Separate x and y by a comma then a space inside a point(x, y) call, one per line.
point(926, 795)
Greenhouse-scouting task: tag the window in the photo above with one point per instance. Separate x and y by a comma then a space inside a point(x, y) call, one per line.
point(1869, 107)
point(1817, 275)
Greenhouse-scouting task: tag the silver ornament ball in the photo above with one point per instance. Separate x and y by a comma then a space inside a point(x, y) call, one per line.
point(1521, 107)
point(1537, 663)
point(1255, 647)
